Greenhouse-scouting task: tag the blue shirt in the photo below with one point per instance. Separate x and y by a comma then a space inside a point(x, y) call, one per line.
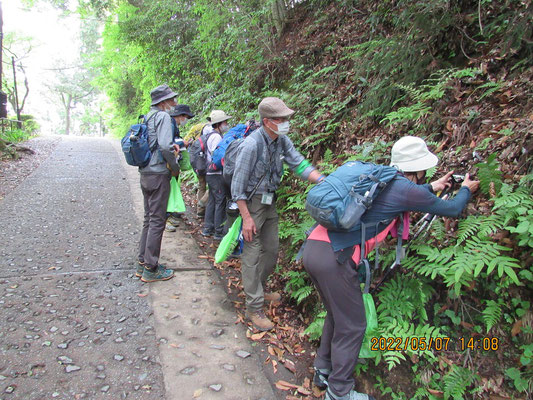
point(399, 196)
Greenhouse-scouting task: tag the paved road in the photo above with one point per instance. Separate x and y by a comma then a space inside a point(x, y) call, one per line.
point(76, 324)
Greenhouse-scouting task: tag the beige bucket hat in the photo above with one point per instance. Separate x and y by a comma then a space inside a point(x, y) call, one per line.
point(411, 154)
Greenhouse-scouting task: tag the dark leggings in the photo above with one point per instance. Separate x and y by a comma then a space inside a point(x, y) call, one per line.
point(345, 323)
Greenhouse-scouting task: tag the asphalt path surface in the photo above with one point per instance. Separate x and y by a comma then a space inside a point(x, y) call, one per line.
point(77, 324)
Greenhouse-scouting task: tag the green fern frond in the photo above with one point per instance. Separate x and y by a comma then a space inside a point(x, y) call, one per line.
point(457, 381)
point(492, 314)
point(478, 225)
point(488, 174)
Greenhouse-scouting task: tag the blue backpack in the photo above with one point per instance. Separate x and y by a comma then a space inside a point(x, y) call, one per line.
point(217, 158)
point(340, 200)
point(135, 143)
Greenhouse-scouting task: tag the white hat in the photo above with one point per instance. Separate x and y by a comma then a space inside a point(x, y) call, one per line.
point(411, 154)
point(218, 116)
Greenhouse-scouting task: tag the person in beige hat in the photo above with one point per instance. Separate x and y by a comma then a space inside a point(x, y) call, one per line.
point(257, 176)
point(336, 278)
point(215, 213)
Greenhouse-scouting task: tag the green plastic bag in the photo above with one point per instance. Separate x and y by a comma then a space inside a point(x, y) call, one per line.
point(185, 161)
point(370, 312)
point(229, 241)
point(371, 327)
point(175, 200)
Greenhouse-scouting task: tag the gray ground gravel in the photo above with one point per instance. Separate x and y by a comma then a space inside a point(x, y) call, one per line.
point(74, 326)
point(77, 324)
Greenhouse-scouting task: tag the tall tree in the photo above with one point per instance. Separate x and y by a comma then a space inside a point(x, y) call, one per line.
point(19, 49)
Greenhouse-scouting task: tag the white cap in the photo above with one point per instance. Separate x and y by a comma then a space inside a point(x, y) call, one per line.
point(217, 116)
point(411, 154)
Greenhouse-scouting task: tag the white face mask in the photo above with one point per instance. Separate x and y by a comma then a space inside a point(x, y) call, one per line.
point(283, 128)
point(183, 122)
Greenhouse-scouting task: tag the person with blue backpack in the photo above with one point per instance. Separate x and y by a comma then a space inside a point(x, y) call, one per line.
point(257, 175)
point(332, 254)
point(155, 184)
point(215, 213)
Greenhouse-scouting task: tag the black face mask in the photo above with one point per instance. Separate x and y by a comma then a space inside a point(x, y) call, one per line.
point(421, 180)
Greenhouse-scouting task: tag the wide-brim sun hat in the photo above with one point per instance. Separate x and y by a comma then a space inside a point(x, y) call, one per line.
point(273, 107)
point(161, 93)
point(218, 116)
point(411, 154)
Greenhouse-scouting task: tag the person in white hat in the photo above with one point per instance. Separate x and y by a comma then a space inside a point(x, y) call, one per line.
point(336, 278)
point(215, 213)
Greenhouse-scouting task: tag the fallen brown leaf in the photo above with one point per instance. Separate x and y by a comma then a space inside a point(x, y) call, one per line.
point(307, 383)
point(437, 393)
point(304, 391)
point(517, 326)
point(284, 385)
point(290, 366)
point(317, 392)
point(258, 336)
point(274, 366)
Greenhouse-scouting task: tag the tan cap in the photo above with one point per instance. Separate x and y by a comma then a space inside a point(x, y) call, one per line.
point(217, 116)
point(272, 107)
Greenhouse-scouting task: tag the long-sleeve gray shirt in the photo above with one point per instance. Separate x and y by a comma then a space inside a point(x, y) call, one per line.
point(160, 140)
point(400, 195)
point(262, 156)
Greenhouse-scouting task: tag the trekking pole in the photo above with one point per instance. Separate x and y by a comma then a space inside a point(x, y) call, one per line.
point(425, 223)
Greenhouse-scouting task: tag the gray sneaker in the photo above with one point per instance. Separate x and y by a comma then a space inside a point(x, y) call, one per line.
point(170, 228)
point(161, 273)
point(351, 395)
point(320, 377)
point(172, 220)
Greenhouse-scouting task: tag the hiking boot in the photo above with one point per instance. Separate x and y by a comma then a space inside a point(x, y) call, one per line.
point(273, 297)
point(260, 320)
point(169, 227)
point(140, 269)
point(161, 273)
point(351, 395)
point(320, 377)
point(207, 233)
point(173, 221)
point(218, 237)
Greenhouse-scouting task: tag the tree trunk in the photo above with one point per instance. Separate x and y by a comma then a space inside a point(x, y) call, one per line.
point(66, 99)
point(279, 14)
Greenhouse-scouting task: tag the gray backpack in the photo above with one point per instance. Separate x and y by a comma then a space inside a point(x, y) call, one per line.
point(232, 152)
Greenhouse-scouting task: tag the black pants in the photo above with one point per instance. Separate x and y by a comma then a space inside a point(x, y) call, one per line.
point(215, 213)
point(155, 189)
point(345, 323)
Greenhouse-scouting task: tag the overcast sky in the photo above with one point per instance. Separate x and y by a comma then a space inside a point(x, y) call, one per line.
point(55, 43)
